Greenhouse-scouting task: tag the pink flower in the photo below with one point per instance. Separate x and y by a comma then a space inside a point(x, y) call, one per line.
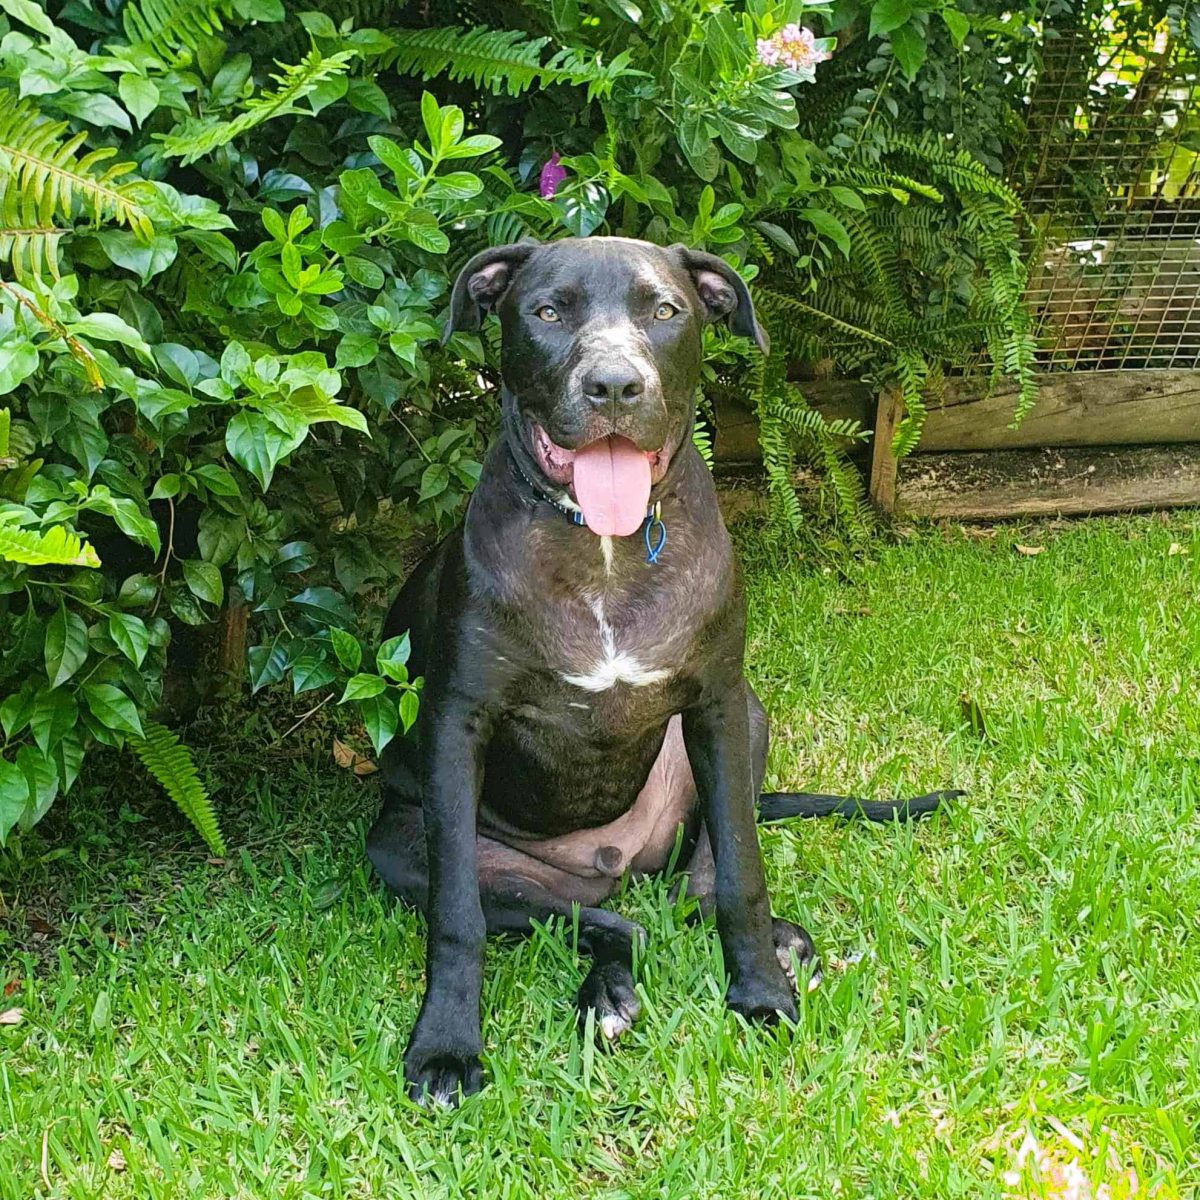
point(795, 48)
point(768, 52)
point(552, 175)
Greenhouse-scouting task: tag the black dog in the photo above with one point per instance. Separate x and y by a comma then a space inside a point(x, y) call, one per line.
point(581, 638)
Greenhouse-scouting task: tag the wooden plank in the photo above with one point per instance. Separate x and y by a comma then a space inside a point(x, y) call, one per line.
point(1106, 408)
point(883, 461)
point(735, 436)
point(995, 485)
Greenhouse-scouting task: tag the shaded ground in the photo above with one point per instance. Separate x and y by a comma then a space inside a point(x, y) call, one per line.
point(1012, 988)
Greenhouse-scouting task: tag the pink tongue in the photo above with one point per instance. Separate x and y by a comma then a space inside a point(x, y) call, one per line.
point(612, 485)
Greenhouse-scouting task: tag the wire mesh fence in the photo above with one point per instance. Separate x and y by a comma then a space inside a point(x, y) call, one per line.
point(1111, 179)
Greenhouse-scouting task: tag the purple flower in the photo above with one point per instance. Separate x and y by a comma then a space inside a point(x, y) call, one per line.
point(553, 173)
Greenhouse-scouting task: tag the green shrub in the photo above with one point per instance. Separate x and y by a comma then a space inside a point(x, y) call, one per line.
point(227, 232)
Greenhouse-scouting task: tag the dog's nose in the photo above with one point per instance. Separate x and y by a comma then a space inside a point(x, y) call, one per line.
point(613, 381)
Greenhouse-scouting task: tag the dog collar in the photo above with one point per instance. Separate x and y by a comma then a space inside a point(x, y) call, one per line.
point(654, 531)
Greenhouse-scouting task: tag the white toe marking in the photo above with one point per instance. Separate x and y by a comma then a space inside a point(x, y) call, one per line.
point(783, 953)
point(612, 1025)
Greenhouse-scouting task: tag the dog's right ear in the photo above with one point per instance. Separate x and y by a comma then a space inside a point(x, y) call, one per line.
point(481, 284)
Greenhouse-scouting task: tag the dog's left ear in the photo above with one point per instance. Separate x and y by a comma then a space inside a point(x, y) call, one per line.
point(481, 284)
point(724, 294)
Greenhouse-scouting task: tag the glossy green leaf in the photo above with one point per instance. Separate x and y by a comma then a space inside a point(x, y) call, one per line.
point(204, 581)
point(887, 15)
point(267, 665)
point(325, 605)
point(14, 797)
point(347, 648)
point(112, 708)
point(409, 705)
point(363, 687)
point(131, 636)
point(910, 48)
point(309, 672)
point(66, 647)
point(381, 719)
point(393, 656)
point(54, 715)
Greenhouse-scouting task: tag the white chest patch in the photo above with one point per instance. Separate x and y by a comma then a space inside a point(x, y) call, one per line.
point(613, 666)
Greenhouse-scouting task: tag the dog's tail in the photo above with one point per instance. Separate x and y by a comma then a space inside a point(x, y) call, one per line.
point(779, 806)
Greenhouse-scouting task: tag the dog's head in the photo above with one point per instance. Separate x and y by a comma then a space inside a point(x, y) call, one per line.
point(601, 351)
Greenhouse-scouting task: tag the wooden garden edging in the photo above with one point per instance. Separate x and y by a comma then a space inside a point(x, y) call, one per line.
point(1153, 416)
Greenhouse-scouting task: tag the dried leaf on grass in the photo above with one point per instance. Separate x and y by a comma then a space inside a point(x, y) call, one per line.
point(350, 759)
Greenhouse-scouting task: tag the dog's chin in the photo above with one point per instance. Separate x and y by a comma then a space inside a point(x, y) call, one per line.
point(557, 463)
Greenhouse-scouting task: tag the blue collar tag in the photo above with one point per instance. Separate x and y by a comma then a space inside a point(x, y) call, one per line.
point(654, 532)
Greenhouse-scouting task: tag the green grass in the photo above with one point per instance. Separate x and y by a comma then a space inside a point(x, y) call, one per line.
point(1026, 964)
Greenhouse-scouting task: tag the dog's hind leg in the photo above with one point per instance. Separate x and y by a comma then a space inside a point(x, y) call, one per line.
point(515, 890)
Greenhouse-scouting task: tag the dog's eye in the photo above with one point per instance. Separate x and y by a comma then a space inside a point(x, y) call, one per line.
point(664, 312)
point(547, 314)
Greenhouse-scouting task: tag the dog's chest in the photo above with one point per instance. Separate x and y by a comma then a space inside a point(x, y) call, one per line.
point(607, 645)
point(620, 626)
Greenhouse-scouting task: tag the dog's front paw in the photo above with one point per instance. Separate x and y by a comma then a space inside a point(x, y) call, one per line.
point(763, 996)
point(441, 1075)
point(796, 953)
point(608, 992)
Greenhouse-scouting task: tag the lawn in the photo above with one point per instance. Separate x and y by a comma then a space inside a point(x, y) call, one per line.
point(1012, 988)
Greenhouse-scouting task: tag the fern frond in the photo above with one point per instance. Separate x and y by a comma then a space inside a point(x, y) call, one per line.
point(779, 461)
point(32, 252)
point(824, 443)
point(787, 422)
point(172, 29)
point(55, 546)
point(958, 167)
point(43, 181)
point(195, 138)
point(702, 440)
point(879, 258)
point(761, 247)
point(911, 370)
point(884, 181)
point(170, 762)
point(502, 60)
point(789, 306)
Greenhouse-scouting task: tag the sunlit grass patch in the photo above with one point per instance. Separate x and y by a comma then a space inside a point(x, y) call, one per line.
point(1025, 965)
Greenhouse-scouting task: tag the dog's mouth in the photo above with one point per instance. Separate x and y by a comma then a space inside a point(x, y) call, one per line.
point(610, 479)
